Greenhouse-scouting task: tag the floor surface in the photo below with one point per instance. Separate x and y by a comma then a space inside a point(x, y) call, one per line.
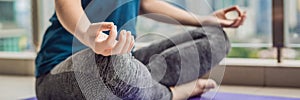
point(20, 87)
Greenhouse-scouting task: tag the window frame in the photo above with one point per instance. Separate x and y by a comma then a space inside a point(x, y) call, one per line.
point(278, 34)
point(35, 23)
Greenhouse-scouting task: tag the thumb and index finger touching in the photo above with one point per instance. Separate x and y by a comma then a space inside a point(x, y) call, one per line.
point(241, 16)
point(236, 9)
point(106, 26)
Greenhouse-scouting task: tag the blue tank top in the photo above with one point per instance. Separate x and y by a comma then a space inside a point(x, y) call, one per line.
point(58, 44)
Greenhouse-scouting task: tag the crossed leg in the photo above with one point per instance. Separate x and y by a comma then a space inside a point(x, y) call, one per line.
point(86, 75)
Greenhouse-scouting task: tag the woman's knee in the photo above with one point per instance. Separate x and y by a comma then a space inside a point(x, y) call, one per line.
point(128, 78)
point(195, 57)
point(217, 41)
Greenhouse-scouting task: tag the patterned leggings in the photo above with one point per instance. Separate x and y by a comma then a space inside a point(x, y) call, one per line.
point(147, 74)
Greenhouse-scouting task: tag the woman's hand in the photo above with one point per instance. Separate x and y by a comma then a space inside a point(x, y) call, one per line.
point(104, 44)
point(233, 23)
point(219, 18)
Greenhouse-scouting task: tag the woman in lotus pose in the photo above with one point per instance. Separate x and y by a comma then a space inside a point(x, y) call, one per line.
point(87, 52)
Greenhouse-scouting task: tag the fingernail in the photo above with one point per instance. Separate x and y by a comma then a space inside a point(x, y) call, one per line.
point(124, 32)
point(129, 32)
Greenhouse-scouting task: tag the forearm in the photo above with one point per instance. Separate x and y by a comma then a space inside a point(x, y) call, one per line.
point(165, 9)
point(70, 13)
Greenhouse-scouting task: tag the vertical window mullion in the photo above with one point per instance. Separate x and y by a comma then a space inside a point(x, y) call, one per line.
point(278, 27)
point(35, 23)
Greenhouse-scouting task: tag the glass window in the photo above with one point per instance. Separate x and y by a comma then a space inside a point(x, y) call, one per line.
point(46, 11)
point(162, 30)
point(15, 26)
point(292, 19)
point(252, 40)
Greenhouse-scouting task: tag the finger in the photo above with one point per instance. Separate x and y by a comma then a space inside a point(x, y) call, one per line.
point(101, 37)
point(231, 23)
point(244, 17)
point(243, 20)
point(234, 8)
point(131, 44)
point(128, 41)
point(106, 26)
point(111, 40)
point(102, 26)
point(107, 52)
point(98, 44)
point(227, 23)
point(119, 46)
point(237, 23)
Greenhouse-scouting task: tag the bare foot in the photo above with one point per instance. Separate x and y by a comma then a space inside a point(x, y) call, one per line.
point(194, 88)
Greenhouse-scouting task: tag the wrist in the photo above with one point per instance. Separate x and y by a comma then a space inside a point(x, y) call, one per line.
point(210, 20)
point(83, 25)
point(81, 30)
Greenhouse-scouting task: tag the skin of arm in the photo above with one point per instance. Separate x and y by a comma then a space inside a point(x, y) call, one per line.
point(70, 7)
point(187, 18)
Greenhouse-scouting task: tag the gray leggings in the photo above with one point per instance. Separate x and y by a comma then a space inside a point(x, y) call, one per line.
point(147, 75)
